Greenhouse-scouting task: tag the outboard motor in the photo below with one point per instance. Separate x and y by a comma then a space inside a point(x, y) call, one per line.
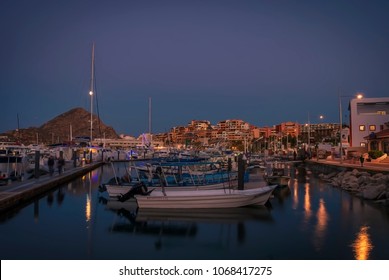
point(139, 188)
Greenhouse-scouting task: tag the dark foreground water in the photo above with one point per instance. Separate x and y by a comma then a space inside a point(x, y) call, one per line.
point(308, 220)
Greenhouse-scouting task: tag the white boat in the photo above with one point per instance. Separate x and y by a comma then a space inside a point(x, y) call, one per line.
point(115, 190)
point(173, 176)
point(215, 198)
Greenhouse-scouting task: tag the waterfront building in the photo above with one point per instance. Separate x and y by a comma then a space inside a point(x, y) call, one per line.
point(125, 142)
point(288, 128)
point(199, 125)
point(378, 141)
point(368, 116)
point(321, 132)
point(233, 125)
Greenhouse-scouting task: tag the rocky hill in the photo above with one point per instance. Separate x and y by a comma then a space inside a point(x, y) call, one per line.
point(58, 129)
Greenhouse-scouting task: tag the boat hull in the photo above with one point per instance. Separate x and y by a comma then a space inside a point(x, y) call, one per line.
point(119, 190)
point(217, 198)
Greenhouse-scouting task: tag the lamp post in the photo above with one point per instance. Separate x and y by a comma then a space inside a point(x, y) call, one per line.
point(309, 137)
point(309, 133)
point(91, 116)
point(91, 100)
point(359, 96)
point(91, 92)
point(321, 117)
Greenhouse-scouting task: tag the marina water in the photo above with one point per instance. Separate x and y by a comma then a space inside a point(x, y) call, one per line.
point(310, 220)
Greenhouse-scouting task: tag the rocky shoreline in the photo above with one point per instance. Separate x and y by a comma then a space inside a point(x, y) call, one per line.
point(374, 187)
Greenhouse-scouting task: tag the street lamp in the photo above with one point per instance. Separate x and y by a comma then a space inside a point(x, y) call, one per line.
point(319, 134)
point(91, 115)
point(309, 137)
point(91, 100)
point(91, 91)
point(359, 96)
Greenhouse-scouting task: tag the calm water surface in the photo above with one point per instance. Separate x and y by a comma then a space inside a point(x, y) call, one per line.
point(308, 220)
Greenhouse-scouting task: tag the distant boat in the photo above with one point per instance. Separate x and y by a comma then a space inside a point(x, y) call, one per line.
point(281, 181)
point(12, 153)
point(276, 176)
point(215, 198)
point(12, 162)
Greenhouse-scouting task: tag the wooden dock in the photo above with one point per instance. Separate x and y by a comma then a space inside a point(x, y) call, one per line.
point(19, 193)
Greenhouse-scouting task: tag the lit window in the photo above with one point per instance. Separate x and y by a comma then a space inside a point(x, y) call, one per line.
point(372, 127)
point(361, 128)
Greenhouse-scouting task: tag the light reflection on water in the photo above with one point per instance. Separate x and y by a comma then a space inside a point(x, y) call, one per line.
point(308, 220)
point(321, 226)
point(88, 206)
point(362, 245)
point(307, 203)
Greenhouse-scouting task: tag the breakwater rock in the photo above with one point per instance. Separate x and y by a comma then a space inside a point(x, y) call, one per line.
point(361, 183)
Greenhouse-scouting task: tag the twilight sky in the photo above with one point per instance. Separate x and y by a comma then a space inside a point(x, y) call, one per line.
point(261, 61)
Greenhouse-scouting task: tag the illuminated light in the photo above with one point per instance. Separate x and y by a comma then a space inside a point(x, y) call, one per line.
point(307, 203)
point(91, 93)
point(88, 208)
point(362, 245)
point(295, 195)
point(322, 223)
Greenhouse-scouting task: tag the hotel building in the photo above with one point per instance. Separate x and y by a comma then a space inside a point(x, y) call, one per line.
point(368, 116)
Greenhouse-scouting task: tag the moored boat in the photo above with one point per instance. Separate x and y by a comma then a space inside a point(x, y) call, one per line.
point(173, 176)
point(215, 198)
point(117, 190)
point(276, 176)
point(279, 180)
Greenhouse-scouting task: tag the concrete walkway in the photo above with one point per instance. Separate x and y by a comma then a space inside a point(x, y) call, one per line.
point(21, 192)
point(349, 164)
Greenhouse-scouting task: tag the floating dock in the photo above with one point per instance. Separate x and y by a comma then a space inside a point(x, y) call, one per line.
point(19, 193)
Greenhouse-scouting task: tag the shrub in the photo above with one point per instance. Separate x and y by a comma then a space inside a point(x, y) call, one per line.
point(374, 154)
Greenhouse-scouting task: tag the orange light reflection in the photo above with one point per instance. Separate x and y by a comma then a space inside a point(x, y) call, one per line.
point(322, 222)
point(88, 208)
point(295, 195)
point(307, 203)
point(362, 245)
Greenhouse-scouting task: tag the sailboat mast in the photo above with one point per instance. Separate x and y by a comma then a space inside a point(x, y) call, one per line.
point(91, 92)
point(151, 138)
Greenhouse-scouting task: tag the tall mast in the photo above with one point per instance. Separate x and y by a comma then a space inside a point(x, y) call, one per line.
point(151, 138)
point(91, 91)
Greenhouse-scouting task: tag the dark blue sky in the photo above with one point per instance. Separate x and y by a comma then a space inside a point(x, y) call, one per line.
point(265, 62)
